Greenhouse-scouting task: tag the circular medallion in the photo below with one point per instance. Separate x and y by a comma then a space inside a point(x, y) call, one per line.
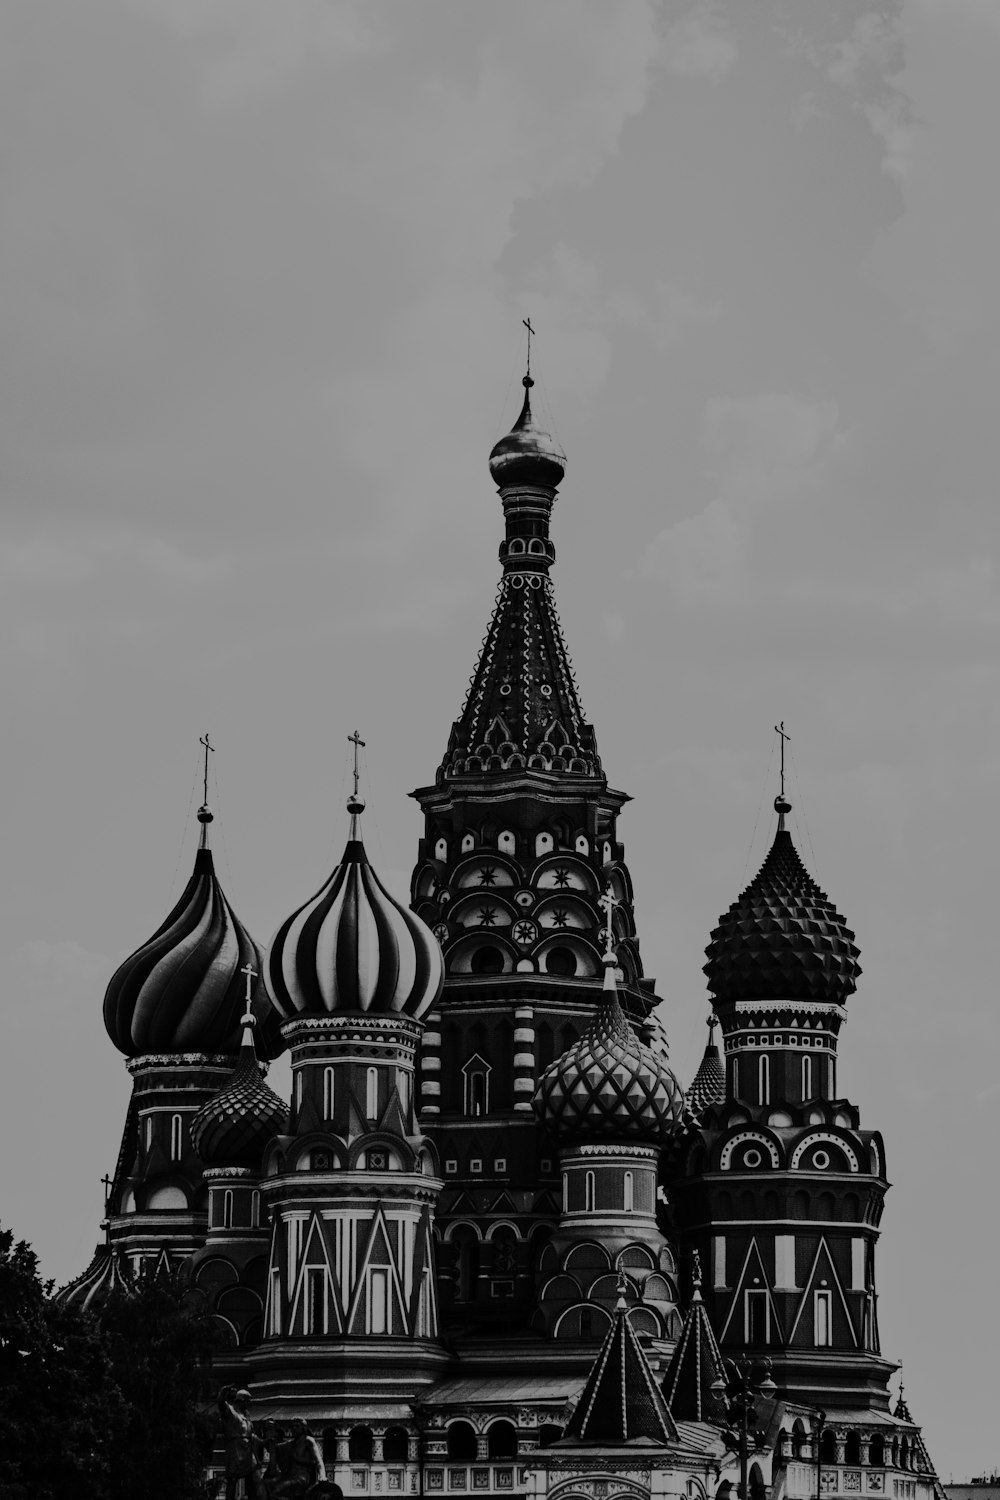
point(525, 899)
point(525, 933)
point(441, 933)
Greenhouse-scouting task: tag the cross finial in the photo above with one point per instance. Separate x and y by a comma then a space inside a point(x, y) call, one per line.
point(208, 747)
point(359, 744)
point(609, 901)
point(696, 1270)
point(106, 1181)
point(779, 730)
point(251, 974)
point(531, 332)
point(622, 1289)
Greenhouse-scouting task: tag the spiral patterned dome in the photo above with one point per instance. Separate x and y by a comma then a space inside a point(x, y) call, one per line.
point(527, 454)
point(608, 1086)
point(351, 947)
point(783, 939)
point(183, 990)
point(234, 1126)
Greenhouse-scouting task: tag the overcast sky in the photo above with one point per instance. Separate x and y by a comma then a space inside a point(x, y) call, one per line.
point(262, 274)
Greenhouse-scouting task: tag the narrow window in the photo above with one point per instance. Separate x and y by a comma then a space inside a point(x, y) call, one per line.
point(328, 1093)
point(478, 1094)
point(315, 1315)
point(371, 1094)
point(764, 1078)
point(807, 1078)
point(833, 1077)
point(589, 1192)
point(756, 1318)
point(628, 1194)
point(275, 1309)
point(149, 1131)
point(379, 1319)
point(298, 1089)
point(175, 1137)
point(822, 1313)
point(255, 1209)
point(227, 1209)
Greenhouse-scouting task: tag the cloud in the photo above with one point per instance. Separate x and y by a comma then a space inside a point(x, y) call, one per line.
point(700, 45)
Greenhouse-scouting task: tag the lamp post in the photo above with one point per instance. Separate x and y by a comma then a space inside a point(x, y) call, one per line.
point(738, 1390)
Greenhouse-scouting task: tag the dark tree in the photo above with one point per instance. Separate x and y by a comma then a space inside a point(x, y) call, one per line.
point(160, 1341)
point(60, 1407)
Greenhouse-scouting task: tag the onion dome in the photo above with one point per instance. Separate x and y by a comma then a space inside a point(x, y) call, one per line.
point(708, 1086)
point(608, 1086)
point(183, 990)
point(351, 947)
point(107, 1274)
point(528, 454)
point(232, 1128)
point(783, 939)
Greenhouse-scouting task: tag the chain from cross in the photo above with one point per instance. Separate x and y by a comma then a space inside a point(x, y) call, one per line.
point(608, 901)
point(531, 332)
point(779, 730)
point(359, 744)
point(208, 747)
point(251, 974)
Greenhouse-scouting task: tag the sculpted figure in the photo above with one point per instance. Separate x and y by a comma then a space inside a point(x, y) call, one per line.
point(237, 1432)
point(302, 1463)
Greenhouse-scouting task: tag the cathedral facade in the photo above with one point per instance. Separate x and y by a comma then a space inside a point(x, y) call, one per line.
point(490, 1245)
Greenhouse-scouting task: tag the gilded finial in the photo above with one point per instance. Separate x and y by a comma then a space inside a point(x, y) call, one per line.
point(527, 381)
point(696, 1276)
point(781, 802)
point(204, 811)
point(622, 1304)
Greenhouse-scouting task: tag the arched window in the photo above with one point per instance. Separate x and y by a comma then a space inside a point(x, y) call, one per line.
point(852, 1448)
point(227, 1209)
point(832, 1075)
point(798, 1438)
point(823, 1316)
point(756, 1485)
point(628, 1194)
point(589, 1193)
point(371, 1094)
point(176, 1137)
point(360, 1445)
point(501, 1439)
point(477, 1088)
point(329, 1445)
point(807, 1078)
point(462, 1442)
point(328, 1093)
point(149, 1131)
point(828, 1446)
point(764, 1079)
point(378, 1322)
point(441, 850)
point(396, 1447)
point(298, 1089)
point(876, 1451)
point(488, 960)
point(560, 961)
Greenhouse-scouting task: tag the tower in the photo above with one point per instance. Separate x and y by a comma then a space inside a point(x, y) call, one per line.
point(777, 1184)
point(520, 840)
point(351, 1326)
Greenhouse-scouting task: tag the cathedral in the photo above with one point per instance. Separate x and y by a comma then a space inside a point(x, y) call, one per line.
point(491, 1245)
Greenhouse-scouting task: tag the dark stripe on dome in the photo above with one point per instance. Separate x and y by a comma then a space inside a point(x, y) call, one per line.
point(385, 996)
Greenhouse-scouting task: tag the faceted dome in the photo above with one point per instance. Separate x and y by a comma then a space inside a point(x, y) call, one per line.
point(609, 1086)
point(183, 990)
point(527, 455)
point(783, 939)
point(353, 948)
point(234, 1126)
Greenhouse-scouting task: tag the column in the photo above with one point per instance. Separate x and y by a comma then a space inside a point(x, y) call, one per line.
point(430, 1066)
point(524, 1057)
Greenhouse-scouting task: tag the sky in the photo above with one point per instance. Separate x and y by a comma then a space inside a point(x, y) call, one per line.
point(262, 275)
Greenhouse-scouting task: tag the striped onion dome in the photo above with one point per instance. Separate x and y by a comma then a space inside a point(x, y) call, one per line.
point(351, 947)
point(183, 990)
point(783, 939)
point(107, 1273)
point(609, 1085)
point(232, 1128)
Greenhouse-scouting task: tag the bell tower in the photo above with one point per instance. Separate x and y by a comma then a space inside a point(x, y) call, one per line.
point(520, 842)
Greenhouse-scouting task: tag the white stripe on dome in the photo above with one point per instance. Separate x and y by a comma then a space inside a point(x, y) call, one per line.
point(150, 994)
point(324, 960)
point(407, 946)
point(369, 951)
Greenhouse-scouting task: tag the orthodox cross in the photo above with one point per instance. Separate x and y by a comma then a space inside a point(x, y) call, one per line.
point(359, 744)
point(527, 324)
point(106, 1183)
point(208, 747)
point(779, 730)
point(251, 973)
point(609, 901)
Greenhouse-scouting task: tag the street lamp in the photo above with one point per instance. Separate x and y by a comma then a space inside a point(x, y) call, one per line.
point(738, 1390)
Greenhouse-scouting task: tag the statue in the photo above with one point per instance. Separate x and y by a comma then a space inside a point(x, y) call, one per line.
point(237, 1433)
point(301, 1462)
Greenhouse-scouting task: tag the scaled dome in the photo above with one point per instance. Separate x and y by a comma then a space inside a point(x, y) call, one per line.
point(232, 1128)
point(184, 989)
point(783, 939)
point(609, 1086)
point(351, 947)
point(528, 454)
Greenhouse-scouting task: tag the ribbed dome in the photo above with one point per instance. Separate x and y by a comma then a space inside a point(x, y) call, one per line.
point(527, 455)
point(353, 948)
point(183, 991)
point(783, 939)
point(609, 1086)
point(235, 1125)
